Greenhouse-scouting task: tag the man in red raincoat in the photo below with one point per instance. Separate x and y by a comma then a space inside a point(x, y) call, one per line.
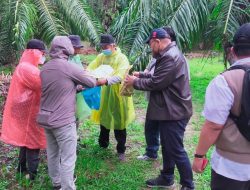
point(19, 126)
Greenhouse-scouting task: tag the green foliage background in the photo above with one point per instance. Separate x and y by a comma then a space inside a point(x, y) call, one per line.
point(210, 22)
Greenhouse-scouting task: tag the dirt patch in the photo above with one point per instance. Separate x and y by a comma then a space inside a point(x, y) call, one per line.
point(88, 51)
point(140, 115)
point(201, 54)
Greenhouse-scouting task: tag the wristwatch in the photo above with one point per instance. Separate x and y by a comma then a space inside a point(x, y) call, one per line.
point(199, 156)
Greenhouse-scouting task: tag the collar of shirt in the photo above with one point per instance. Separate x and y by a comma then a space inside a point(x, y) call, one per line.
point(242, 61)
point(167, 48)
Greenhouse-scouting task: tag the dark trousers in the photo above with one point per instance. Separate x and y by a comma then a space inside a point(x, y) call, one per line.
point(29, 157)
point(173, 153)
point(120, 136)
point(219, 182)
point(152, 136)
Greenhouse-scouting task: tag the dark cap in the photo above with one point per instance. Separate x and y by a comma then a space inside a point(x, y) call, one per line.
point(76, 41)
point(158, 33)
point(36, 44)
point(242, 36)
point(170, 32)
point(106, 39)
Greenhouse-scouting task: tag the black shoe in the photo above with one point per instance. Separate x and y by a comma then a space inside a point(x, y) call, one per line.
point(160, 182)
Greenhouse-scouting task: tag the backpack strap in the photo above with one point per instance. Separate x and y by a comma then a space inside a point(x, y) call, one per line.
point(243, 67)
point(235, 67)
point(243, 120)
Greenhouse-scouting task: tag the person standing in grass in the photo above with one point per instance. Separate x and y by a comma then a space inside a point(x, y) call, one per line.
point(116, 111)
point(57, 111)
point(230, 160)
point(170, 107)
point(152, 131)
point(19, 127)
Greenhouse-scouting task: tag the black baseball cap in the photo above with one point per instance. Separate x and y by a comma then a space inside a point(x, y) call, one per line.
point(106, 39)
point(242, 36)
point(36, 44)
point(76, 41)
point(158, 33)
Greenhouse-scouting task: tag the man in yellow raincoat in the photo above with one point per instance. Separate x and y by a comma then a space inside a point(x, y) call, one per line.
point(116, 111)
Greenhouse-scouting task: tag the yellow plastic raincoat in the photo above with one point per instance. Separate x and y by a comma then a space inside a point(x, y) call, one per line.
point(116, 111)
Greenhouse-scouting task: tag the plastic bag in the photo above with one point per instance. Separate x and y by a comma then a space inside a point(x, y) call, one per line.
point(103, 71)
point(92, 97)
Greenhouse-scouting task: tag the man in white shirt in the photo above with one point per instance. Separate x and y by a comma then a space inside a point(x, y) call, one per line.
point(230, 160)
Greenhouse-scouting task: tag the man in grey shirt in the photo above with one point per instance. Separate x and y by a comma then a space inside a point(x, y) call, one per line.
point(57, 111)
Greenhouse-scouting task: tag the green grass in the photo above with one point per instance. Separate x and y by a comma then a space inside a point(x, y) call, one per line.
point(100, 169)
point(88, 58)
point(202, 71)
point(6, 69)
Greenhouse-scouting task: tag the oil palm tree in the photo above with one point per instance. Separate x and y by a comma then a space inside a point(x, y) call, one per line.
point(192, 20)
point(21, 20)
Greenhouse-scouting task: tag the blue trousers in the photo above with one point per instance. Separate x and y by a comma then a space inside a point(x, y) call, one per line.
point(152, 136)
point(173, 152)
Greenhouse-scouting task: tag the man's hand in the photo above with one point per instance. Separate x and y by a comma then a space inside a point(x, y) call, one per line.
point(101, 81)
point(136, 74)
point(197, 165)
point(129, 80)
point(79, 88)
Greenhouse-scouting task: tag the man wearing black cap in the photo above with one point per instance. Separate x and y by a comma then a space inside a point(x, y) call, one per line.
point(116, 111)
point(19, 127)
point(170, 107)
point(230, 160)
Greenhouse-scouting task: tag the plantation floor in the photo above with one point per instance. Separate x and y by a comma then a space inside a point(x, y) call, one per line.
point(99, 169)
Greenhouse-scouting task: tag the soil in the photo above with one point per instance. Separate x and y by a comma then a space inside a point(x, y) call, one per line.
point(88, 51)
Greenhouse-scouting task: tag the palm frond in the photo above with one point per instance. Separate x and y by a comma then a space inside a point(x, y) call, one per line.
point(126, 18)
point(133, 27)
point(49, 24)
point(226, 18)
point(7, 51)
point(82, 18)
point(25, 23)
point(187, 19)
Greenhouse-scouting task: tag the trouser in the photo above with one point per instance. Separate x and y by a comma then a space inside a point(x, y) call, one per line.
point(61, 153)
point(120, 136)
point(173, 153)
point(219, 182)
point(152, 136)
point(31, 158)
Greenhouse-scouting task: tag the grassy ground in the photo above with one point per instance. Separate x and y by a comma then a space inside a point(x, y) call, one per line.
point(100, 169)
point(6, 69)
